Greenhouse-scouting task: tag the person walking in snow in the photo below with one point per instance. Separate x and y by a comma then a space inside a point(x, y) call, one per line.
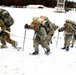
point(68, 32)
point(40, 36)
point(49, 26)
point(52, 31)
point(5, 22)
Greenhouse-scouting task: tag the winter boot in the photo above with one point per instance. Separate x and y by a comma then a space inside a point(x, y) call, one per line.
point(67, 48)
point(35, 53)
point(48, 51)
point(14, 44)
point(63, 48)
point(72, 46)
point(3, 46)
point(51, 42)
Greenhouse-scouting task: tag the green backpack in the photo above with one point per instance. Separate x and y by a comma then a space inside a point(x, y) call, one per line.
point(6, 17)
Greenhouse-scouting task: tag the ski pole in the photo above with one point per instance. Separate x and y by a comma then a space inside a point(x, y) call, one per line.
point(24, 40)
point(57, 40)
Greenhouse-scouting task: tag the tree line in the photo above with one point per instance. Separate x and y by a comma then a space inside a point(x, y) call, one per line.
point(48, 3)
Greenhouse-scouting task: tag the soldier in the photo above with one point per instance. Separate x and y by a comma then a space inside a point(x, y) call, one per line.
point(68, 32)
point(5, 22)
point(52, 31)
point(40, 36)
point(74, 35)
point(49, 26)
point(73, 40)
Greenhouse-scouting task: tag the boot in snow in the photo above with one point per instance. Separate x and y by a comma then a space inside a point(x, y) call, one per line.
point(72, 46)
point(47, 52)
point(35, 53)
point(63, 48)
point(3, 46)
point(67, 48)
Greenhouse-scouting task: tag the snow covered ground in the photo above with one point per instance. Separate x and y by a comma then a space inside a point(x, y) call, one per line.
point(60, 62)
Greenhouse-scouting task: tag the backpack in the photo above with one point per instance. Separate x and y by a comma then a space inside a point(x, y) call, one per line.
point(44, 21)
point(73, 25)
point(6, 17)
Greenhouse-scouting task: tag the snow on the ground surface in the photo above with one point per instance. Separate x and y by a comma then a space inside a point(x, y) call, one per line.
point(60, 62)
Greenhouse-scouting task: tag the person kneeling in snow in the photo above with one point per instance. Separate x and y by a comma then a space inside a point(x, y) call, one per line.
point(40, 36)
point(5, 22)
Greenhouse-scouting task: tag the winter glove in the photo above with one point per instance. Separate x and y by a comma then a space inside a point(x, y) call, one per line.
point(51, 34)
point(26, 26)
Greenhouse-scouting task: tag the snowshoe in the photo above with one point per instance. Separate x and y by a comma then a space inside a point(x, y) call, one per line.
point(34, 53)
point(15, 46)
point(47, 52)
point(18, 48)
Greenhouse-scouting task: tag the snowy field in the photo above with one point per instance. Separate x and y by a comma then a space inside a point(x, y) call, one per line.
point(60, 62)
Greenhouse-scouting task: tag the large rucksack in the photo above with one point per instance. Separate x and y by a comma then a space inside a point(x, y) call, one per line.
point(73, 24)
point(44, 21)
point(6, 17)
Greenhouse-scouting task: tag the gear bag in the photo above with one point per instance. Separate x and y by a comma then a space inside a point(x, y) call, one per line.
point(44, 21)
point(6, 17)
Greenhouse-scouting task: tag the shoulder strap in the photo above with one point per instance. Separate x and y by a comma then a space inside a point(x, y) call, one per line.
point(44, 27)
point(73, 28)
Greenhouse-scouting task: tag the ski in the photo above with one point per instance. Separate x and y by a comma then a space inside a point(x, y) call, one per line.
point(18, 48)
point(33, 54)
point(30, 54)
point(47, 53)
point(3, 48)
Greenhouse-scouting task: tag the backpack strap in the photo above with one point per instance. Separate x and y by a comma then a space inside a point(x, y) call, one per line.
point(73, 28)
point(43, 27)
